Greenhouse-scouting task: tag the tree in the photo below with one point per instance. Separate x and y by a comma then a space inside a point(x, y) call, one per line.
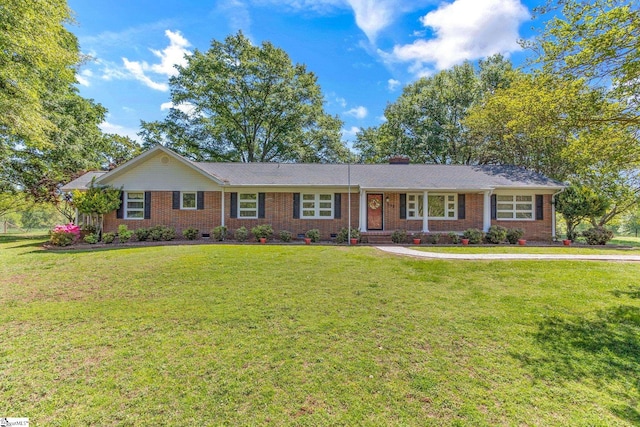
point(599, 41)
point(576, 204)
point(239, 102)
point(97, 201)
point(35, 49)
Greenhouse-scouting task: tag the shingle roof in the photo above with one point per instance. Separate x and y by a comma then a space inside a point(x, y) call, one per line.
point(377, 176)
point(83, 181)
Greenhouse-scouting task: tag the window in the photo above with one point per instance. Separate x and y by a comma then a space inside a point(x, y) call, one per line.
point(514, 207)
point(134, 205)
point(441, 206)
point(188, 200)
point(317, 206)
point(247, 205)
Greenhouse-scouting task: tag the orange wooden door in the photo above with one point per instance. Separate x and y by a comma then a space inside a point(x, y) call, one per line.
point(374, 212)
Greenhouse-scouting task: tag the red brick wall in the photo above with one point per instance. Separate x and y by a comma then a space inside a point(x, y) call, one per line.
point(279, 213)
point(539, 230)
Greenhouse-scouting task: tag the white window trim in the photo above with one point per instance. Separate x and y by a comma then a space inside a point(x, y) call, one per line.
point(513, 204)
point(182, 194)
point(240, 209)
point(435, 218)
point(316, 207)
point(126, 209)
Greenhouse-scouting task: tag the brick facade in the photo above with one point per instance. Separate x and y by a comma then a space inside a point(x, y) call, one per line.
point(279, 213)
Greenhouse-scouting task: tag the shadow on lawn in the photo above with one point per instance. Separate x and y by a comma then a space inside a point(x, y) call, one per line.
point(602, 350)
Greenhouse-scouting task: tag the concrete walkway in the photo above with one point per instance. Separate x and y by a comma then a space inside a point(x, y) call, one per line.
point(401, 250)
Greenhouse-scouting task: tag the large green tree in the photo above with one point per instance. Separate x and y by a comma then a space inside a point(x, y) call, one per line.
point(240, 102)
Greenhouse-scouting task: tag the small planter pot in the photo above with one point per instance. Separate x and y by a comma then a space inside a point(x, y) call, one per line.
point(522, 242)
point(354, 241)
point(307, 241)
point(465, 242)
point(263, 240)
point(416, 241)
point(566, 242)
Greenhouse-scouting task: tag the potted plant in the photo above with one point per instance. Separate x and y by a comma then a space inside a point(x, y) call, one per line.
point(566, 242)
point(522, 242)
point(312, 236)
point(262, 232)
point(417, 238)
point(464, 242)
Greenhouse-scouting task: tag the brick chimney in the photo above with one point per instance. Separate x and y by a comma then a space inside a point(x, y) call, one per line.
point(398, 160)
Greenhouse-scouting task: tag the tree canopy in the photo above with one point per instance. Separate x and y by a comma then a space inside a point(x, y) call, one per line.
point(240, 102)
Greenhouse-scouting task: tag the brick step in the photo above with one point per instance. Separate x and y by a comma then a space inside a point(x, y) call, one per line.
point(376, 238)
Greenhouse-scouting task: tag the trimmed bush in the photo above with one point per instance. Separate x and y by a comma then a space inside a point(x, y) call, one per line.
point(285, 236)
point(454, 237)
point(219, 233)
point(108, 237)
point(474, 235)
point(124, 234)
point(91, 239)
point(434, 238)
point(162, 233)
point(141, 234)
point(343, 235)
point(496, 234)
point(241, 234)
point(313, 234)
point(399, 236)
point(514, 234)
point(64, 235)
point(264, 231)
point(597, 235)
point(190, 233)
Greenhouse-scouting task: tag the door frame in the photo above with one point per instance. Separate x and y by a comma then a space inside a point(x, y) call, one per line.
point(381, 195)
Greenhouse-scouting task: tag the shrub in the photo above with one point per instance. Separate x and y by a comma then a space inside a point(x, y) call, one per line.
point(434, 238)
point(241, 234)
point(64, 235)
point(124, 234)
point(264, 231)
point(399, 236)
point(455, 237)
point(162, 233)
point(496, 234)
point(473, 234)
point(190, 233)
point(108, 237)
point(88, 229)
point(285, 235)
point(219, 233)
point(313, 234)
point(597, 235)
point(514, 234)
point(92, 239)
point(343, 235)
point(142, 234)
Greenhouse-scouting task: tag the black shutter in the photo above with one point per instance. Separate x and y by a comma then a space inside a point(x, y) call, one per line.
point(494, 207)
point(200, 200)
point(234, 205)
point(296, 205)
point(261, 205)
point(337, 206)
point(120, 211)
point(176, 200)
point(403, 206)
point(147, 204)
point(461, 206)
point(539, 207)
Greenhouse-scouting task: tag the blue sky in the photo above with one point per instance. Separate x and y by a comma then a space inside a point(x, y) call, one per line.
point(362, 51)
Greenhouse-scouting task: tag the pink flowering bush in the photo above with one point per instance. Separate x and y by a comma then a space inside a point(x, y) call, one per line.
point(64, 235)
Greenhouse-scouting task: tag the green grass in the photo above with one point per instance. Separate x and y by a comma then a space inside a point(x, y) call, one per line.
point(516, 249)
point(313, 335)
point(626, 240)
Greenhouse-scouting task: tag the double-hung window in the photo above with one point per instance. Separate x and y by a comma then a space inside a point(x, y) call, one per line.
point(514, 207)
point(441, 206)
point(188, 200)
point(134, 205)
point(317, 206)
point(248, 205)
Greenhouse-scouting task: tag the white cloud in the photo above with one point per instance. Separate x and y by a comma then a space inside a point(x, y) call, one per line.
point(108, 127)
point(172, 55)
point(341, 101)
point(237, 14)
point(359, 112)
point(83, 77)
point(464, 30)
point(351, 132)
point(393, 84)
point(187, 107)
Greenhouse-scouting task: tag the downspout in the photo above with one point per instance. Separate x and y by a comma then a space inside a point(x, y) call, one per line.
point(553, 214)
point(349, 201)
point(222, 209)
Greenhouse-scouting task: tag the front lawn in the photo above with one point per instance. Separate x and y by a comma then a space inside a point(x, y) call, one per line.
point(313, 335)
point(517, 249)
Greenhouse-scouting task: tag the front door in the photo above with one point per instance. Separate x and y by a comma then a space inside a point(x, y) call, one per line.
point(374, 211)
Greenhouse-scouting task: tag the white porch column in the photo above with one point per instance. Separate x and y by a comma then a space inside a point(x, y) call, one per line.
point(425, 212)
point(363, 210)
point(222, 207)
point(486, 217)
